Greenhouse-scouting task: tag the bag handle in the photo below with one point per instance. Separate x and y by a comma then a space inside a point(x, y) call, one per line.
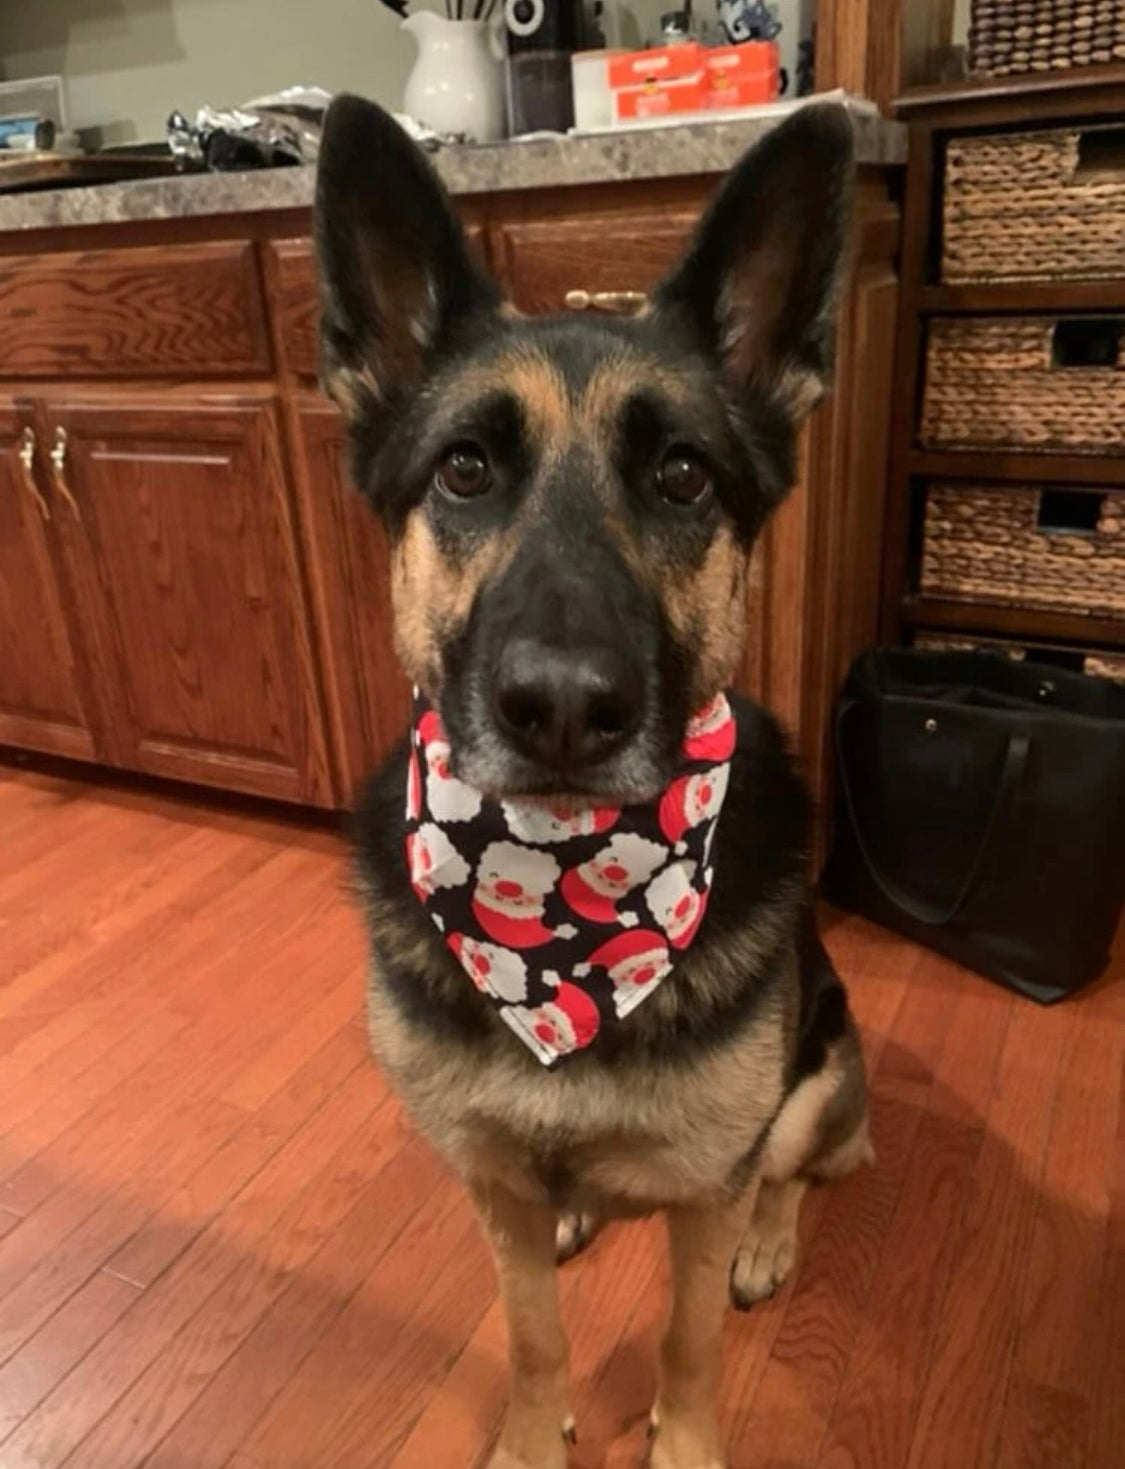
point(1015, 764)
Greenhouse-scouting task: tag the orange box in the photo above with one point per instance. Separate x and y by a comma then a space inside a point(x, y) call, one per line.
point(739, 76)
point(661, 99)
point(661, 64)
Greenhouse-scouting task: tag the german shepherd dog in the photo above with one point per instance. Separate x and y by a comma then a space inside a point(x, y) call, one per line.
point(571, 505)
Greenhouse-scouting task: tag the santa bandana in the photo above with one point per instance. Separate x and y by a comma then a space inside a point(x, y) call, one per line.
point(565, 918)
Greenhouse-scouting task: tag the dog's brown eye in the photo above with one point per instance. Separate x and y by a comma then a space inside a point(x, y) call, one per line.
point(684, 479)
point(463, 472)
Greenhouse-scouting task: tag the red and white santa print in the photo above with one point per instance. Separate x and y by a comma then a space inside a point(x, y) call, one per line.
point(495, 971)
point(433, 861)
point(595, 888)
point(692, 799)
point(509, 898)
point(675, 904)
point(636, 961)
point(537, 821)
point(711, 733)
point(566, 1022)
point(413, 787)
point(447, 798)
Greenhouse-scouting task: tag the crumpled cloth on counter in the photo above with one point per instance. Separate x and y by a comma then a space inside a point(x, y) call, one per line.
point(275, 131)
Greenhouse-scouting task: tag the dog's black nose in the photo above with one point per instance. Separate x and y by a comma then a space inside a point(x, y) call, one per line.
point(566, 708)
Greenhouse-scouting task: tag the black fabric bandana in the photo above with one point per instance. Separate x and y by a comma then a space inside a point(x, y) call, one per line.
point(566, 919)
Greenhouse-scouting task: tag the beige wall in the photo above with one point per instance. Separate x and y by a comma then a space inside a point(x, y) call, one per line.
point(128, 63)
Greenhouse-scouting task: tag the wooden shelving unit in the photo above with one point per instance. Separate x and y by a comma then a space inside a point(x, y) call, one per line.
point(1004, 465)
point(935, 115)
point(1013, 622)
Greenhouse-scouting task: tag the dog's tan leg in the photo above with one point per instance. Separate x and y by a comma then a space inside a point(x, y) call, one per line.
point(702, 1242)
point(522, 1236)
point(821, 1132)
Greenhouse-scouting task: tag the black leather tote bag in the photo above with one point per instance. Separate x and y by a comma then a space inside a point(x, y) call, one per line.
point(981, 811)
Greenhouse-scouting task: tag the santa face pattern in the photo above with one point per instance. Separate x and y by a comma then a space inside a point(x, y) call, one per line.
point(566, 918)
point(447, 798)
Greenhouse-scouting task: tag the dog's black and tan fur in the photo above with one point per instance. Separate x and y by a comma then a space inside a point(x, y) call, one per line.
point(586, 493)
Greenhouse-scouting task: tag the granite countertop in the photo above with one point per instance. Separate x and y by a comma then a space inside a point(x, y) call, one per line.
point(544, 162)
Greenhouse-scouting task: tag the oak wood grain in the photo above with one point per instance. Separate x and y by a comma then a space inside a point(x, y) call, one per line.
point(42, 705)
point(156, 311)
point(184, 555)
point(350, 584)
point(540, 260)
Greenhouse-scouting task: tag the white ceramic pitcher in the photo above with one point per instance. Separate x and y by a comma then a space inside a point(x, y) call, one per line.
point(457, 84)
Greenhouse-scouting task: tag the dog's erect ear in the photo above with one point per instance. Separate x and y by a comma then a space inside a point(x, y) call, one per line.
point(761, 277)
point(395, 273)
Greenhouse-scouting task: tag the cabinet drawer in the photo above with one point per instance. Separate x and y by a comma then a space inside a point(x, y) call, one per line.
point(155, 311)
point(297, 304)
point(598, 263)
point(1036, 383)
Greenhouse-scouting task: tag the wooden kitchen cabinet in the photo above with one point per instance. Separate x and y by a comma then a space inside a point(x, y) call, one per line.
point(178, 538)
point(351, 589)
point(42, 703)
point(210, 598)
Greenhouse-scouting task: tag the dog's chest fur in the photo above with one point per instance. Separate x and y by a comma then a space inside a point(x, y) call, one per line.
point(669, 1107)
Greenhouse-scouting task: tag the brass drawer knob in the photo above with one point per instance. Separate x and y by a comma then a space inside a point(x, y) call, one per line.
point(619, 302)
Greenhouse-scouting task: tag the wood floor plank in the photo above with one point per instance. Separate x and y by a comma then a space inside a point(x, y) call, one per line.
point(60, 1246)
point(245, 1388)
point(237, 982)
point(887, 1366)
point(310, 1029)
point(959, 1410)
point(221, 1246)
point(1056, 1346)
point(870, 1427)
point(59, 1345)
point(1107, 1416)
point(413, 1317)
point(158, 1243)
point(180, 1372)
point(102, 1057)
point(59, 1424)
point(89, 964)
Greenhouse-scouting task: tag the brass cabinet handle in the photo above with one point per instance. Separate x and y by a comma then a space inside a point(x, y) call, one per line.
point(58, 465)
point(26, 453)
point(621, 302)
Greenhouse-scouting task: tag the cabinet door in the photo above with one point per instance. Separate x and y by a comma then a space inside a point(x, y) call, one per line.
point(41, 703)
point(542, 262)
point(182, 552)
point(349, 568)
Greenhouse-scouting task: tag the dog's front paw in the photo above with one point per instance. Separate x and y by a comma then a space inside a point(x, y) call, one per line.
point(572, 1234)
point(763, 1264)
point(530, 1443)
point(683, 1442)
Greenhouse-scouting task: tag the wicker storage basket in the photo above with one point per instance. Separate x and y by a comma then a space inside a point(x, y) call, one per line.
point(1013, 36)
point(1021, 548)
point(1035, 206)
point(1099, 664)
point(996, 382)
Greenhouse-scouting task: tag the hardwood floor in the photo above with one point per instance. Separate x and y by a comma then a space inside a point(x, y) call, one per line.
point(221, 1245)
